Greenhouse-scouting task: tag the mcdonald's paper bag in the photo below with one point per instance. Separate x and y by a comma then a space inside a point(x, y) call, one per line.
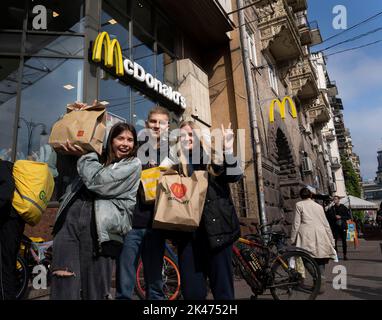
point(85, 127)
point(180, 201)
point(149, 180)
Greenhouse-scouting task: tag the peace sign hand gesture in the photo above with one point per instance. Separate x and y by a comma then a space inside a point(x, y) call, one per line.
point(228, 138)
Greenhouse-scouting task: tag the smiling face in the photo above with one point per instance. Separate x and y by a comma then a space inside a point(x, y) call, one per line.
point(187, 138)
point(123, 144)
point(158, 124)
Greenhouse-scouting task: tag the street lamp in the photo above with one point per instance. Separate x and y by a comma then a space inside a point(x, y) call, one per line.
point(30, 127)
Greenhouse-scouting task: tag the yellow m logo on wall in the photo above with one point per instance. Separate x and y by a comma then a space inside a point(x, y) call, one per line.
point(282, 105)
point(113, 52)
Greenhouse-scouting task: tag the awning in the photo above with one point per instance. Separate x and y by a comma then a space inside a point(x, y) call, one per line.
point(358, 203)
point(203, 20)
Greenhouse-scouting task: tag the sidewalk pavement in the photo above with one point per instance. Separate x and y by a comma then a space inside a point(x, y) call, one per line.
point(364, 275)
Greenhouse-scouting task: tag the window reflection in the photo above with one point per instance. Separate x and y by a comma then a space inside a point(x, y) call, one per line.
point(10, 42)
point(143, 50)
point(8, 91)
point(59, 15)
point(12, 14)
point(48, 86)
point(53, 45)
point(143, 16)
point(116, 96)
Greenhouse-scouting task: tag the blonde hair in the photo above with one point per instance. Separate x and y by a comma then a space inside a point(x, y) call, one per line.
point(213, 154)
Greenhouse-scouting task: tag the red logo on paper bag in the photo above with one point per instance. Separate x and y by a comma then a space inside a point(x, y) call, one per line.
point(80, 133)
point(179, 190)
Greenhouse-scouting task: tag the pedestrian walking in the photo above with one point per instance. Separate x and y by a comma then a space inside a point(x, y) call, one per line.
point(338, 214)
point(11, 231)
point(311, 231)
point(207, 252)
point(93, 217)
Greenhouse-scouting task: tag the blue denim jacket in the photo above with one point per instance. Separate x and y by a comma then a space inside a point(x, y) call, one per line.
point(115, 187)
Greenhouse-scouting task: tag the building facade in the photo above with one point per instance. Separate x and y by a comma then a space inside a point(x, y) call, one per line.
point(336, 182)
point(185, 55)
point(372, 190)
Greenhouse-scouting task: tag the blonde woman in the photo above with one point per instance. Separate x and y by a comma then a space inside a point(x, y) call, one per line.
point(207, 252)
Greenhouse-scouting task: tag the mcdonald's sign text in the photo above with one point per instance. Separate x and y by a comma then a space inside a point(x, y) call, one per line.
point(113, 58)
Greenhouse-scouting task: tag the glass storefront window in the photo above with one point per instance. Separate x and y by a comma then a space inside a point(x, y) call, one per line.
point(48, 86)
point(10, 42)
point(53, 45)
point(142, 14)
point(143, 50)
point(59, 16)
point(116, 96)
point(165, 33)
point(12, 14)
point(116, 26)
point(8, 92)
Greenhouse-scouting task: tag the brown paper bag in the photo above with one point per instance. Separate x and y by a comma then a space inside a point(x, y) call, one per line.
point(180, 201)
point(84, 127)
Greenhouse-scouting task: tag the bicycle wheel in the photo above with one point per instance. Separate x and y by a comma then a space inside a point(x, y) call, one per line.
point(295, 276)
point(171, 280)
point(22, 277)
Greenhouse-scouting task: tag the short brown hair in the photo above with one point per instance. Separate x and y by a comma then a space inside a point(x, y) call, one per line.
point(158, 110)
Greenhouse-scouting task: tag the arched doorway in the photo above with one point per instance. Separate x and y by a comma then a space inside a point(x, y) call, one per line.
point(282, 179)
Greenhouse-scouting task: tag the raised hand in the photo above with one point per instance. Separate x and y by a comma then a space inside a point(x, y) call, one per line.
point(228, 138)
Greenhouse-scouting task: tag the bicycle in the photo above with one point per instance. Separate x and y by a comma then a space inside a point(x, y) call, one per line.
point(265, 262)
point(33, 252)
point(170, 274)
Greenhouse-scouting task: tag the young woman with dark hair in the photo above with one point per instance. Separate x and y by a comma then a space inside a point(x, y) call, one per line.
point(94, 215)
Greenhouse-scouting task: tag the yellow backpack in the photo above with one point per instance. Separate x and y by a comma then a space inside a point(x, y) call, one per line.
point(34, 187)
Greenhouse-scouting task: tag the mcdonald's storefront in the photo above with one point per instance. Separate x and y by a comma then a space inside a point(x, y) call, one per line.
point(128, 54)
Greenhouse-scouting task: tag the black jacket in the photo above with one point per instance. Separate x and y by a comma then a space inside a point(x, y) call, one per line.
point(7, 188)
point(339, 210)
point(219, 218)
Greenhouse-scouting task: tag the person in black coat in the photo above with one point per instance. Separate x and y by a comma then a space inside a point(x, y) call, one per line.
point(11, 230)
point(337, 216)
point(207, 252)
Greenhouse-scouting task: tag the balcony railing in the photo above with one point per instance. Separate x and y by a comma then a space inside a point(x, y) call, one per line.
point(335, 163)
point(304, 80)
point(278, 30)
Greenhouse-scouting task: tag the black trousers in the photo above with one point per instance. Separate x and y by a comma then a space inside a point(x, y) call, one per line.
point(197, 263)
point(11, 230)
point(342, 233)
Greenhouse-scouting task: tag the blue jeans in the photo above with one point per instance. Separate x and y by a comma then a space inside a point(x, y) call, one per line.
point(128, 262)
point(152, 258)
point(150, 245)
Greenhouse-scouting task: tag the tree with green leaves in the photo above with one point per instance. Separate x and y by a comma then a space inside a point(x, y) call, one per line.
point(352, 183)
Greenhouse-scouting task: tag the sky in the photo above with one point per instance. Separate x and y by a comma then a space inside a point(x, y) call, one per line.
point(358, 73)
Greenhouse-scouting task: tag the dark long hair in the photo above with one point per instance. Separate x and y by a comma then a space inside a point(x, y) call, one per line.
point(118, 128)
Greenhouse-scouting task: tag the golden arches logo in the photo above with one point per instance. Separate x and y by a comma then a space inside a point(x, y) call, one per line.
point(113, 52)
point(282, 106)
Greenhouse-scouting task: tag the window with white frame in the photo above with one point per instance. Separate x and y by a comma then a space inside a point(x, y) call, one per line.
point(272, 78)
point(251, 46)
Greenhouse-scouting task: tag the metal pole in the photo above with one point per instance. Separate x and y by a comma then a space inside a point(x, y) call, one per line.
point(252, 116)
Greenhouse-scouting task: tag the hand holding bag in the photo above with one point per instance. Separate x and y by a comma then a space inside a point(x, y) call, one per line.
point(85, 127)
point(180, 201)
